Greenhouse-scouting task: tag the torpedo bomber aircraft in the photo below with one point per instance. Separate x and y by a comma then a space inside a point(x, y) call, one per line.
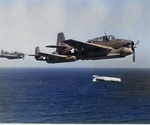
point(104, 47)
point(12, 55)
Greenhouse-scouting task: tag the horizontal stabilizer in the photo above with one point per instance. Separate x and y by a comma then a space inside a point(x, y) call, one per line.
point(32, 55)
point(53, 46)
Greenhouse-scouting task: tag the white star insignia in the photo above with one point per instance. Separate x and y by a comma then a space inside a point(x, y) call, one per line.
point(72, 50)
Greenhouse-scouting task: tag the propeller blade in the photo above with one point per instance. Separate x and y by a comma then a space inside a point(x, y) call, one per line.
point(105, 36)
point(134, 57)
point(133, 49)
point(24, 56)
point(137, 42)
point(105, 33)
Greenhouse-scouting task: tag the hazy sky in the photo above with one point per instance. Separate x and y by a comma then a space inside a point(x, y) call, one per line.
point(25, 24)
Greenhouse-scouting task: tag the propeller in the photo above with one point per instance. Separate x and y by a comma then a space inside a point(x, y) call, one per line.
point(24, 55)
point(105, 36)
point(133, 46)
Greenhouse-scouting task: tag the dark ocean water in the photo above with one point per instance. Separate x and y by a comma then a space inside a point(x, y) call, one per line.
point(59, 95)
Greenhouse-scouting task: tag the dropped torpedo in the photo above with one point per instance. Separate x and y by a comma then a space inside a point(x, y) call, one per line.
point(102, 78)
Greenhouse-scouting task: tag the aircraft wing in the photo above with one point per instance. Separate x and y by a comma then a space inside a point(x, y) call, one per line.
point(86, 46)
point(52, 55)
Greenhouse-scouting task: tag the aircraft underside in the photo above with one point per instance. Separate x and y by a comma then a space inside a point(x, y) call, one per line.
point(60, 60)
point(73, 58)
point(11, 57)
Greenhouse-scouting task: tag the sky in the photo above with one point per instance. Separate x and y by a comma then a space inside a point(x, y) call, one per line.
point(25, 24)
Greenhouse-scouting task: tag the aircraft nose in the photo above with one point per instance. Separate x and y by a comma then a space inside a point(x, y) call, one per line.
point(128, 50)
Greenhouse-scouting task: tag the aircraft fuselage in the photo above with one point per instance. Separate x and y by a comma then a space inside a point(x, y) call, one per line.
point(119, 48)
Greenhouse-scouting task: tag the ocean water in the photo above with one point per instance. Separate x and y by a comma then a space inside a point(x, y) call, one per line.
point(59, 95)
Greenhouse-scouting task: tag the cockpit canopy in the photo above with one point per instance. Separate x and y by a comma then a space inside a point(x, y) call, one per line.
point(101, 39)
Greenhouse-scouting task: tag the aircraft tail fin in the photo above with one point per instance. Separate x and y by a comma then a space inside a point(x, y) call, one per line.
point(60, 38)
point(37, 50)
point(2, 52)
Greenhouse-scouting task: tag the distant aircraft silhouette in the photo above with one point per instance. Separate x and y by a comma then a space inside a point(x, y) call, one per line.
point(11, 55)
